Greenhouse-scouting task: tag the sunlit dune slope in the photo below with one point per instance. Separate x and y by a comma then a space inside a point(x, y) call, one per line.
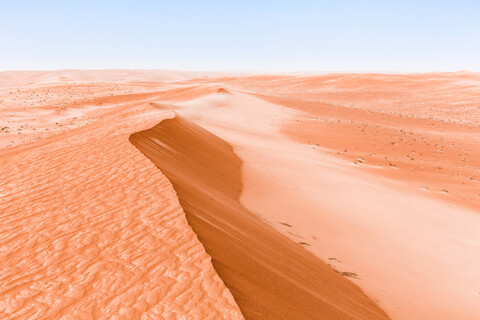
point(410, 249)
point(270, 276)
point(91, 229)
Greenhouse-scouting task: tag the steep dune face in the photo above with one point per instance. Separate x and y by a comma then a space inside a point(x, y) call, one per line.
point(270, 276)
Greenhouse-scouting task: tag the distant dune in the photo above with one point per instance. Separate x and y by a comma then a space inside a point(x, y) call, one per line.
point(129, 194)
point(20, 78)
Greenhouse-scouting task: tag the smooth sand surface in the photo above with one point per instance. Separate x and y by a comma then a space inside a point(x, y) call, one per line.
point(373, 222)
point(376, 175)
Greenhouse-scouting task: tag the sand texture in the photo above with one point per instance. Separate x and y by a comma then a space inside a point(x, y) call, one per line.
point(131, 194)
point(92, 230)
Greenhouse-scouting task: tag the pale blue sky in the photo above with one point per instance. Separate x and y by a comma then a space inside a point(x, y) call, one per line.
point(241, 35)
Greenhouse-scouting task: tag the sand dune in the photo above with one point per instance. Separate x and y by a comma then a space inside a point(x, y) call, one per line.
point(373, 226)
point(21, 78)
point(269, 276)
point(344, 196)
point(91, 229)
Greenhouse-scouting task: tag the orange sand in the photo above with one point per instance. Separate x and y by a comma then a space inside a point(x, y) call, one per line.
point(376, 175)
point(270, 276)
point(92, 230)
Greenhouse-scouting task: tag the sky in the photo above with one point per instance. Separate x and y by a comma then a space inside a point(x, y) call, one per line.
point(242, 35)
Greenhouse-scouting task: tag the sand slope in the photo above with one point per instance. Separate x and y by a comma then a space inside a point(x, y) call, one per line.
point(270, 276)
point(413, 250)
point(92, 230)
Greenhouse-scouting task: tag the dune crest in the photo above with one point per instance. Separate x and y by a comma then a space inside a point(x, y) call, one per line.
point(270, 276)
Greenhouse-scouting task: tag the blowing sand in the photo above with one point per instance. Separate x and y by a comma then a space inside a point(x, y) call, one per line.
point(336, 196)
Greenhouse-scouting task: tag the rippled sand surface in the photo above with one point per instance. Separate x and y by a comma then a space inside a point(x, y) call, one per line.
point(91, 229)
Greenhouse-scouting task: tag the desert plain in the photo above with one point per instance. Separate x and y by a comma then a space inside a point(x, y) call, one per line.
point(150, 194)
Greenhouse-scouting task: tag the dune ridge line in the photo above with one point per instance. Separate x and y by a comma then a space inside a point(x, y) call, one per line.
point(270, 276)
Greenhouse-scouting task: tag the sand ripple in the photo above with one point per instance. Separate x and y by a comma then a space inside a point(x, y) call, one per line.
point(92, 230)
